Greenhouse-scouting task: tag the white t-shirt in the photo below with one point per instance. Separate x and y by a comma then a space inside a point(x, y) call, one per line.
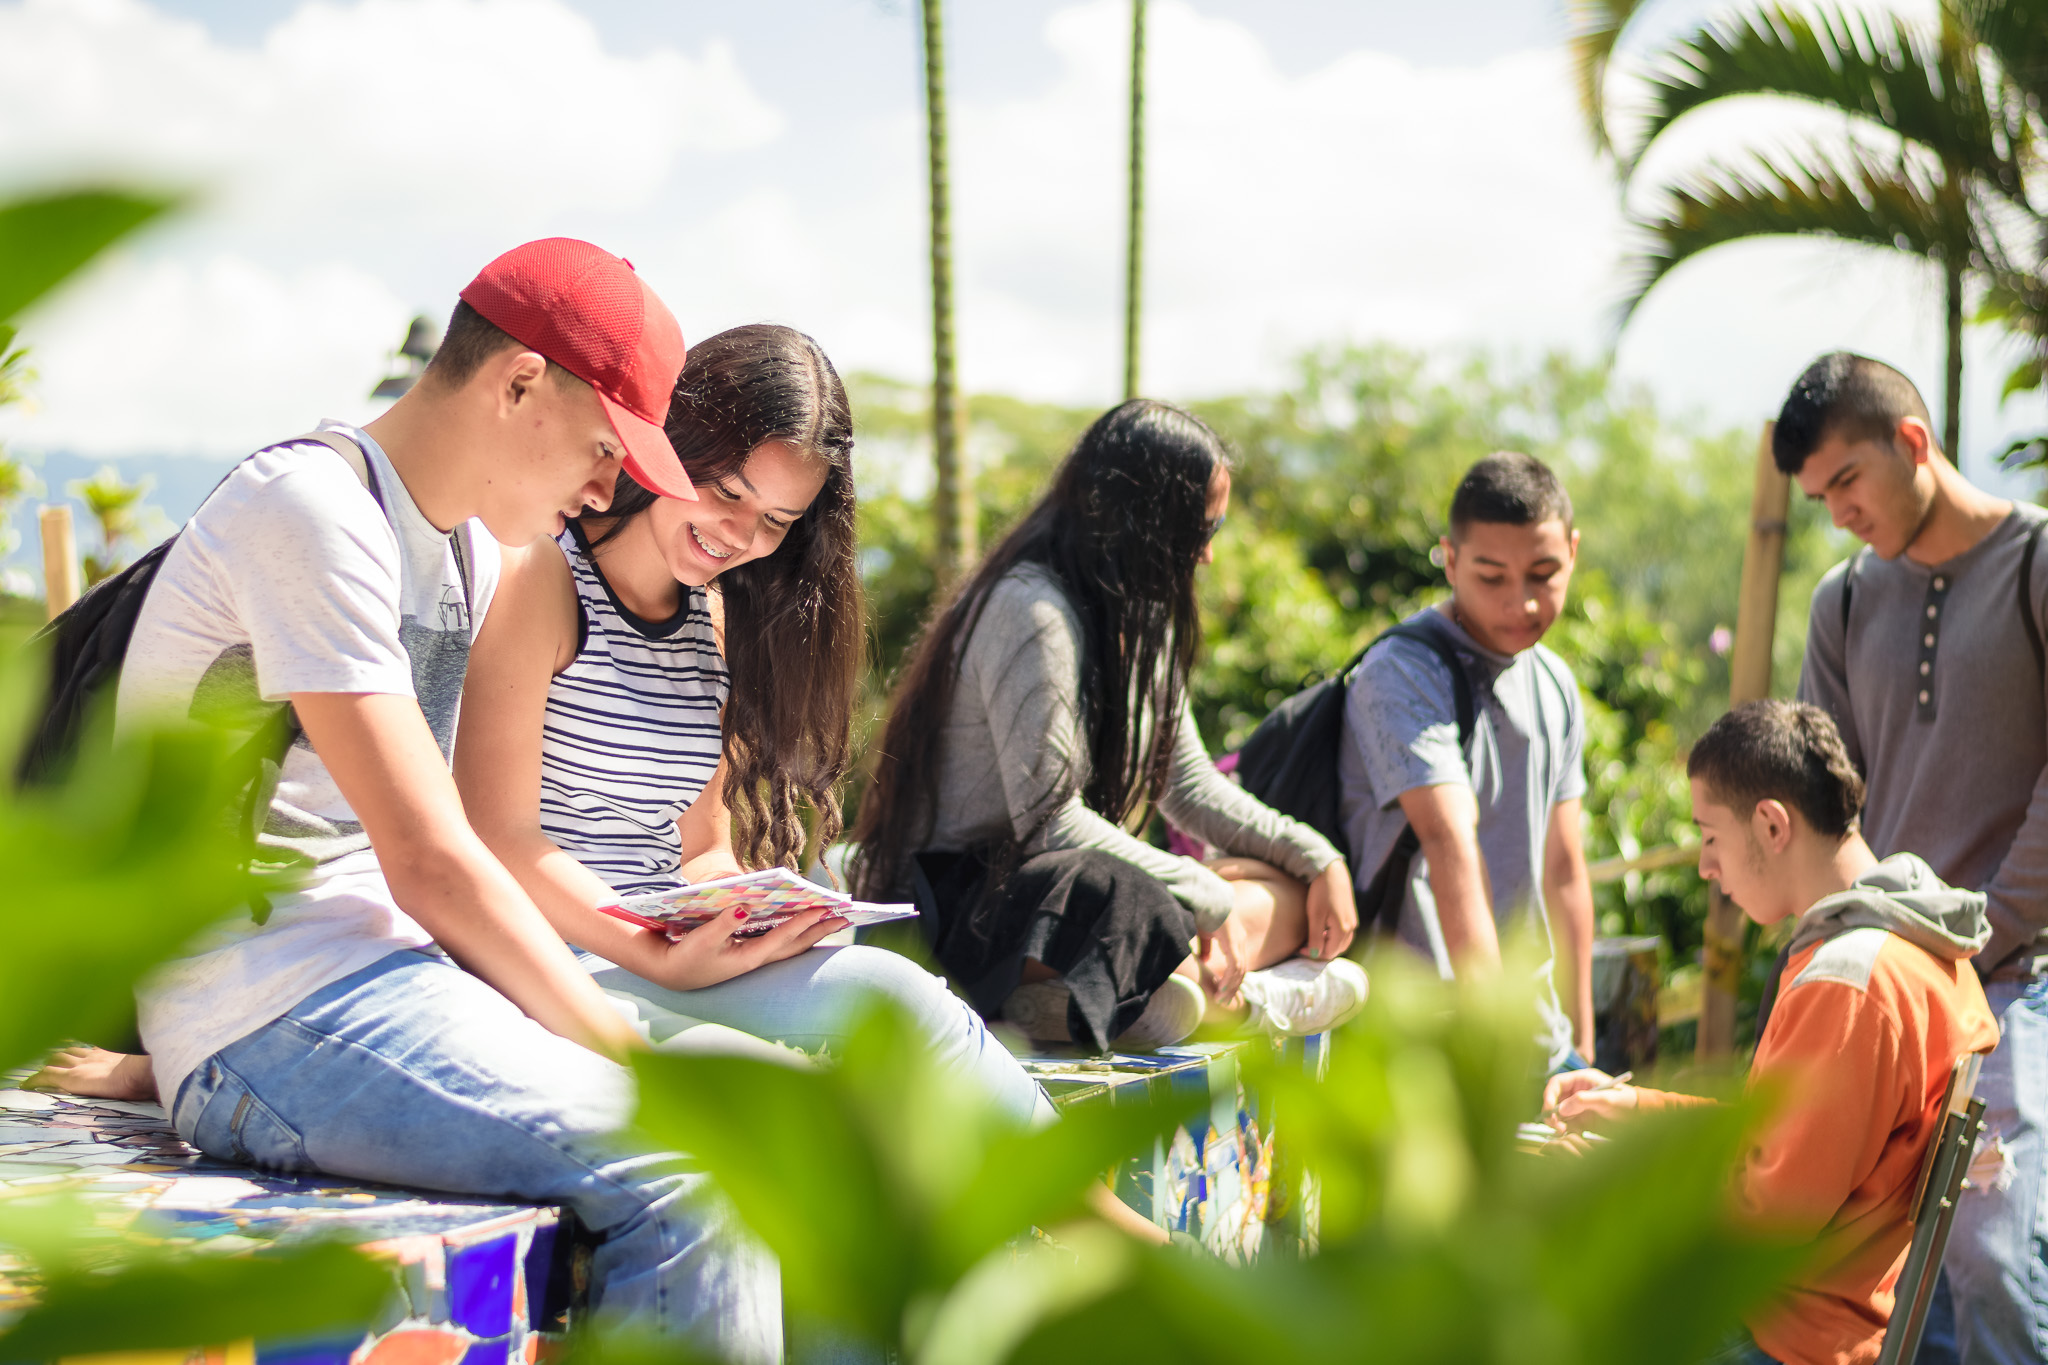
point(291, 578)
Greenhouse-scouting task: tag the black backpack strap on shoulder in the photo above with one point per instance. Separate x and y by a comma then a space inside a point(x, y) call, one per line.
point(1379, 906)
point(1462, 704)
point(2033, 626)
point(1849, 593)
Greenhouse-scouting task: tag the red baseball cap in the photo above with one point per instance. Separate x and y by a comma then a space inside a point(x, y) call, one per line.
point(589, 312)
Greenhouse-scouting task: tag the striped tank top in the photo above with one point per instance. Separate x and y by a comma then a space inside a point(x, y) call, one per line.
point(631, 733)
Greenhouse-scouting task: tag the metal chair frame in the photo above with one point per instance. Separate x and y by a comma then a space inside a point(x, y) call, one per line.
point(1934, 1209)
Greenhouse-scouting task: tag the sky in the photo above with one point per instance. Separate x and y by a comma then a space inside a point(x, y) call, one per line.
point(1322, 171)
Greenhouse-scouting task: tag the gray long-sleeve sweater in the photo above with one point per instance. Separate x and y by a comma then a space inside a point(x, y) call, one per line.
point(1961, 777)
point(1013, 737)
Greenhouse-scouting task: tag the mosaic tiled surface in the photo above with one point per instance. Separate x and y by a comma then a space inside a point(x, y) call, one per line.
point(476, 1282)
point(1218, 1178)
point(482, 1283)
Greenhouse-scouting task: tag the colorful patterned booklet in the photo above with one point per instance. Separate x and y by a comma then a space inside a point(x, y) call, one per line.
point(769, 897)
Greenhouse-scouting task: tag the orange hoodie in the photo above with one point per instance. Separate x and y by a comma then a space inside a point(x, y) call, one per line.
point(1867, 1027)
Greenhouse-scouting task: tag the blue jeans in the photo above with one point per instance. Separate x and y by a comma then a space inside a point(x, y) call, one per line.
point(1994, 1268)
point(413, 1072)
point(809, 1000)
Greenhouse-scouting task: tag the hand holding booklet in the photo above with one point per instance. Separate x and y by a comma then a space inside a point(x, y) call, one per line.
point(769, 897)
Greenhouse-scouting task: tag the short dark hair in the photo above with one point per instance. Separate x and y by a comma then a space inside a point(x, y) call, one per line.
point(1786, 751)
point(1509, 489)
point(1843, 394)
point(472, 339)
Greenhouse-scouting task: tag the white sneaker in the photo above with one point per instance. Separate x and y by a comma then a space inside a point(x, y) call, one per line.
point(1301, 996)
point(1173, 1012)
point(1039, 1009)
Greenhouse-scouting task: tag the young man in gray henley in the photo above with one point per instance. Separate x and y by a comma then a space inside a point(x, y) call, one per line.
point(1926, 648)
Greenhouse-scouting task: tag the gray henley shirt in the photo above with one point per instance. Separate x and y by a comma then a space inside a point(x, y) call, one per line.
point(1945, 711)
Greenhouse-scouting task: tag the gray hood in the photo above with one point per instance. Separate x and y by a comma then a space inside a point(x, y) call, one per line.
point(1901, 894)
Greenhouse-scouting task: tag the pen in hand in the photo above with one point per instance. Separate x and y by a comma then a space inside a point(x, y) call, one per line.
point(1611, 1083)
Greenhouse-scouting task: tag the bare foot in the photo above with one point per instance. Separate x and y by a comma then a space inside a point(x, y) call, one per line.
point(81, 1069)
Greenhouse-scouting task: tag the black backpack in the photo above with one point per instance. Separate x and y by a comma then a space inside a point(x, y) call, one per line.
point(1290, 763)
point(89, 641)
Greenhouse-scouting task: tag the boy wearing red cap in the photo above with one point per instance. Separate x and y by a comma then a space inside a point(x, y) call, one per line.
point(340, 1034)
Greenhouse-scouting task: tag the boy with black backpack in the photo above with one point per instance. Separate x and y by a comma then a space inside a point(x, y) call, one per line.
point(1926, 648)
point(1461, 766)
point(407, 1015)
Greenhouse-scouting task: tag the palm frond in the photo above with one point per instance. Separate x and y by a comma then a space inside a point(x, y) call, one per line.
point(1596, 27)
point(2016, 34)
point(1851, 198)
point(2018, 301)
point(1882, 71)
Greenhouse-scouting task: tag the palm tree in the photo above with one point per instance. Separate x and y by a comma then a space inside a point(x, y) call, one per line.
point(1935, 165)
point(951, 503)
point(2018, 296)
point(1134, 260)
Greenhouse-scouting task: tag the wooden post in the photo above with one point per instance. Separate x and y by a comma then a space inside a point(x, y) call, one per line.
point(1749, 679)
point(62, 582)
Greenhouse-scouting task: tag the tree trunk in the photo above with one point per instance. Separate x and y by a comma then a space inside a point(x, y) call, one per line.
point(1952, 393)
point(951, 505)
point(1134, 260)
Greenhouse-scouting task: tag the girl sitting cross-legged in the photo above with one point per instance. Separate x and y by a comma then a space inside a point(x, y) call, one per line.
point(1041, 717)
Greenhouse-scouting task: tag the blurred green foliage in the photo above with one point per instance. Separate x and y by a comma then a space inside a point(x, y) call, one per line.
point(1440, 1240)
point(877, 1180)
point(1343, 481)
point(120, 516)
point(138, 849)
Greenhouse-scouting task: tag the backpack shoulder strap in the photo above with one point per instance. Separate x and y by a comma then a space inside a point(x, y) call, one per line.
point(1461, 686)
point(351, 454)
point(1849, 593)
point(2033, 627)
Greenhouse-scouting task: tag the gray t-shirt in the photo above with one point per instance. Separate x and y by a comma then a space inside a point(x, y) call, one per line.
point(1527, 755)
point(1960, 778)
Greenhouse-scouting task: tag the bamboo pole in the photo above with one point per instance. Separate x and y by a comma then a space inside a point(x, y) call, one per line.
point(952, 502)
point(1134, 259)
point(1749, 679)
point(62, 579)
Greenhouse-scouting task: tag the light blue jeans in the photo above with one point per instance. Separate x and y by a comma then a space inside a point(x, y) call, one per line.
point(1996, 1276)
point(413, 1072)
point(808, 1001)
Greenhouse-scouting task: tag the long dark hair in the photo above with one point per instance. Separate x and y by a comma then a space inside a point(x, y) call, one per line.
point(1121, 529)
point(793, 623)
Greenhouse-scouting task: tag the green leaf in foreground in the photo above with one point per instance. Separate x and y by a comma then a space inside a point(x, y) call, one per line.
point(163, 1304)
point(110, 874)
point(46, 239)
point(878, 1180)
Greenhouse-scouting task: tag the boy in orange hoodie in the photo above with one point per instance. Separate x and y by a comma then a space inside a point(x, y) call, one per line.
point(1876, 1002)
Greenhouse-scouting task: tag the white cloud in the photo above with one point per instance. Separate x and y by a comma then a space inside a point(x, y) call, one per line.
point(505, 110)
point(361, 161)
point(1370, 198)
point(206, 356)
